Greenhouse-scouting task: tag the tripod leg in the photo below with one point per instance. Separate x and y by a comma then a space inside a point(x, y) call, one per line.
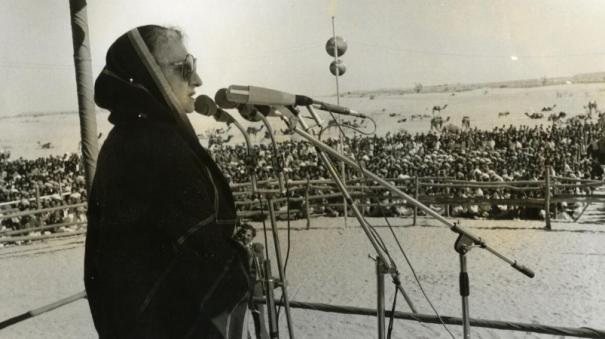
point(380, 297)
point(280, 267)
point(464, 293)
point(271, 312)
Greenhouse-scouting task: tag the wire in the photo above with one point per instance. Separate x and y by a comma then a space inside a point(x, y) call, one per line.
point(372, 229)
point(279, 165)
point(377, 236)
point(416, 276)
point(354, 128)
point(380, 242)
point(263, 216)
point(392, 317)
point(398, 243)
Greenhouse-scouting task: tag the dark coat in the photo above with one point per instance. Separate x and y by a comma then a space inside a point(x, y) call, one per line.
point(159, 260)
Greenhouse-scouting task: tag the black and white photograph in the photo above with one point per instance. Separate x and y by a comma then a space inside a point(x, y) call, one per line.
point(263, 169)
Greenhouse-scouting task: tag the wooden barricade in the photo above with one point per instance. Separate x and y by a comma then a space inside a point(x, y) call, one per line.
point(323, 193)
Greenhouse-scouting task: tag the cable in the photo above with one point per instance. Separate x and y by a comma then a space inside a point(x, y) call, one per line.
point(416, 278)
point(392, 317)
point(398, 244)
point(263, 216)
point(353, 127)
point(374, 232)
point(278, 163)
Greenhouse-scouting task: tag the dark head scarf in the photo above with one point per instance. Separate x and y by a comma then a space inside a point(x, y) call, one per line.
point(133, 88)
point(125, 86)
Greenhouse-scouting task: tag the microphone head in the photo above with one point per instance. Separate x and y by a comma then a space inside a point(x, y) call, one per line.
point(249, 112)
point(221, 99)
point(205, 106)
point(265, 110)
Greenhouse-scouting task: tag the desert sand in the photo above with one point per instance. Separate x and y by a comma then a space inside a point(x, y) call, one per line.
point(329, 264)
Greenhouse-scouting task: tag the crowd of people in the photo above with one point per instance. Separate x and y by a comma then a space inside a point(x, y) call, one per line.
point(43, 183)
point(503, 154)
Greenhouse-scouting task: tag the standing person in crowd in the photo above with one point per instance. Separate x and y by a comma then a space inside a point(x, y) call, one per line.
point(160, 261)
point(256, 257)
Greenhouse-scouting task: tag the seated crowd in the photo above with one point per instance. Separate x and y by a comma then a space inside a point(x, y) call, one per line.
point(43, 183)
point(504, 154)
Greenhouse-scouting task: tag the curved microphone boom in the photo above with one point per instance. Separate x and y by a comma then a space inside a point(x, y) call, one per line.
point(205, 106)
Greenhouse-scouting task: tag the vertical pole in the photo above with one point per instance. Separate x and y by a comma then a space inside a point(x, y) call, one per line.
point(38, 205)
point(340, 142)
point(380, 269)
point(415, 197)
point(86, 106)
point(390, 200)
point(336, 63)
point(447, 206)
point(307, 207)
point(38, 197)
point(280, 268)
point(271, 312)
point(363, 203)
point(464, 293)
point(547, 198)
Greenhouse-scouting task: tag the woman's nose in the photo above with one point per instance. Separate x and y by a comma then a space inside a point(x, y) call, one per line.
point(195, 80)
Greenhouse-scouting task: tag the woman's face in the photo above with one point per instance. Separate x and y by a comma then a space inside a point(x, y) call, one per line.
point(171, 55)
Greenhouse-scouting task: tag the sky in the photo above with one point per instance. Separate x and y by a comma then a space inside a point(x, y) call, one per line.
point(280, 44)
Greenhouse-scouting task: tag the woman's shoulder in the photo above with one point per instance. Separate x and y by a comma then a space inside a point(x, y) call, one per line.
point(149, 144)
point(147, 136)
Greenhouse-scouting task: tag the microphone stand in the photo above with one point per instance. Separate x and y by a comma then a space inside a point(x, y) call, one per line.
point(384, 263)
point(463, 245)
point(251, 160)
point(464, 242)
point(251, 163)
point(269, 283)
point(276, 163)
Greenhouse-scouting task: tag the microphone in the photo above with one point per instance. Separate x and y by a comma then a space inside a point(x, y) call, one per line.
point(221, 99)
point(324, 106)
point(205, 106)
point(249, 112)
point(265, 96)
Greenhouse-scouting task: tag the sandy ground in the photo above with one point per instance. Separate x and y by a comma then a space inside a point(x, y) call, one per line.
point(20, 135)
point(330, 264)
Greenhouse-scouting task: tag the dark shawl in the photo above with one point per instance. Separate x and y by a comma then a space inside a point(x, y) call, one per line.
point(159, 260)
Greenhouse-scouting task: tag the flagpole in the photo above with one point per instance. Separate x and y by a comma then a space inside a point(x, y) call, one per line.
point(340, 136)
point(84, 86)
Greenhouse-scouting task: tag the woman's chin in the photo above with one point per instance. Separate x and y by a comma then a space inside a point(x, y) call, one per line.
point(188, 106)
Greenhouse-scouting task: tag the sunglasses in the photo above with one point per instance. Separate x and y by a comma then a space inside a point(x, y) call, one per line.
point(187, 66)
